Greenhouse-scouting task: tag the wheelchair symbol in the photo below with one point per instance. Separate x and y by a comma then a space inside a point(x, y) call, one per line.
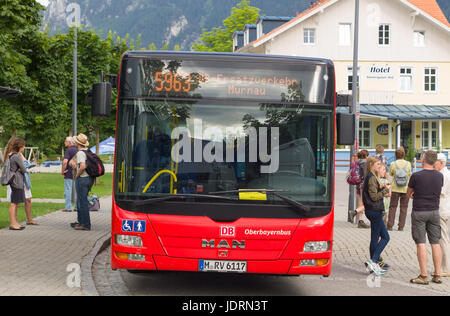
point(126, 227)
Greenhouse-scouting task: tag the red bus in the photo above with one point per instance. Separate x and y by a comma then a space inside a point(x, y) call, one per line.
point(224, 163)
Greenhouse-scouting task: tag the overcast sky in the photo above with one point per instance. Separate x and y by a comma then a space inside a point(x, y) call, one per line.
point(43, 2)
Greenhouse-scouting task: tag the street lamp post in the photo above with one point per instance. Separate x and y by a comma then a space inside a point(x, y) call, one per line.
point(355, 109)
point(74, 88)
point(73, 20)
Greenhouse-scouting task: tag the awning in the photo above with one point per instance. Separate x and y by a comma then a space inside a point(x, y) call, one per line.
point(7, 92)
point(404, 112)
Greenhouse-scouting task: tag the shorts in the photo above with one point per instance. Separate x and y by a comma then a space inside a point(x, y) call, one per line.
point(426, 223)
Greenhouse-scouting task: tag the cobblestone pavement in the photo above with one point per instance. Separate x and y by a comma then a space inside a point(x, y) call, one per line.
point(34, 261)
point(351, 245)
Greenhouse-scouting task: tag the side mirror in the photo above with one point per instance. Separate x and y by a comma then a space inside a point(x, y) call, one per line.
point(345, 124)
point(101, 99)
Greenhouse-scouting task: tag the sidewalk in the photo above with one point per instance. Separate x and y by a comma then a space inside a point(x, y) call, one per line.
point(34, 261)
point(351, 245)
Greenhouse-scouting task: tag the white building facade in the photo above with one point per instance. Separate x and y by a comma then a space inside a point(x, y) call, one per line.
point(404, 64)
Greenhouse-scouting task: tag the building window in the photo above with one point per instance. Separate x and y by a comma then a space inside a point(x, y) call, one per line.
point(384, 32)
point(345, 34)
point(350, 78)
point(419, 38)
point(430, 134)
point(406, 79)
point(309, 36)
point(365, 133)
point(430, 80)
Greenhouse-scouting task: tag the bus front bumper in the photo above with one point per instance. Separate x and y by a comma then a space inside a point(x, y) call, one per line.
point(319, 266)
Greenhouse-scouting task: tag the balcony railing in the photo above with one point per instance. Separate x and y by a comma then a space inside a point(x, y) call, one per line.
point(375, 97)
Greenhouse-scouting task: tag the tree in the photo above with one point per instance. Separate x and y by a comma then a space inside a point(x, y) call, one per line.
point(219, 39)
point(41, 65)
point(19, 24)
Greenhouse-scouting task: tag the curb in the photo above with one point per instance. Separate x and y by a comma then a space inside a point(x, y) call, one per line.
point(88, 287)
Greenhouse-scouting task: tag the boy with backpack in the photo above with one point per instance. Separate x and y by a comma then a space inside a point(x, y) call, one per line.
point(355, 177)
point(400, 171)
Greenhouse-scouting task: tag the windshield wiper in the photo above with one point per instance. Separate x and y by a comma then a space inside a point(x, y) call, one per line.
point(291, 202)
point(169, 197)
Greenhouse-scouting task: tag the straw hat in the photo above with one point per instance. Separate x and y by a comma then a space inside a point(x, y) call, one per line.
point(441, 157)
point(81, 140)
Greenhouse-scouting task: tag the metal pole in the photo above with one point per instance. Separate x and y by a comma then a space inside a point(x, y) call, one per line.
point(74, 88)
point(355, 104)
point(74, 92)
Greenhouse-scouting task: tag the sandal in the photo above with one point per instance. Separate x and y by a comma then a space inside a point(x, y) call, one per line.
point(20, 228)
point(436, 279)
point(32, 223)
point(422, 280)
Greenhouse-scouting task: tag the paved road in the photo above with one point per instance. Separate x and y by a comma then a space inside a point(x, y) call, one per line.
point(348, 275)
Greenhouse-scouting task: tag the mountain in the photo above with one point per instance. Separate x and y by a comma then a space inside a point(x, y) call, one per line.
point(174, 21)
point(166, 21)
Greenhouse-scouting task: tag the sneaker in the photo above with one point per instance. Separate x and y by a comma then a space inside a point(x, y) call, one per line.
point(383, 265)
point(74, 224)
point(361, 224)
point(375, 268)
point(352, 214)
point(436, 279)
point(422, 280)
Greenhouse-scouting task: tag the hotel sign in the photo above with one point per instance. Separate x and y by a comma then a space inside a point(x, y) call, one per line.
point(375, 71)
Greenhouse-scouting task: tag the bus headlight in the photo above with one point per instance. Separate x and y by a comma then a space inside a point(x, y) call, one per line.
point(127, 240)
point(316, 246)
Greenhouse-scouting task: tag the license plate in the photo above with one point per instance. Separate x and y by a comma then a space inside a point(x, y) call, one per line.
point(222, 266)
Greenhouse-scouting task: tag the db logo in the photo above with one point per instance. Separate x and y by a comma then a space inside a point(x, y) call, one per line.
point(227, 231)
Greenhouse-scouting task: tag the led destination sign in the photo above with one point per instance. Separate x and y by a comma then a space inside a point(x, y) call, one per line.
point(205, 79)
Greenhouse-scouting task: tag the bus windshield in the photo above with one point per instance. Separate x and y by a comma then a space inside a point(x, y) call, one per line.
point(201, 147)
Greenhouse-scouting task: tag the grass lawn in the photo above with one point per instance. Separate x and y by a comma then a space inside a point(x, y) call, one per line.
point(51, 186)
point(38, 209)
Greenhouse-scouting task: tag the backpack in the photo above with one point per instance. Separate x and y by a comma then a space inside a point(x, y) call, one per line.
point(7, 176)
point(401, 177)
point(353, 177)
point(94, 165)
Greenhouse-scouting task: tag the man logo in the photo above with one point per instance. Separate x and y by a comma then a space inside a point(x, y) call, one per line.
point(223, 244)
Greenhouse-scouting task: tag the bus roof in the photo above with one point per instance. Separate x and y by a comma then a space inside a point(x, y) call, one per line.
point(228, 56)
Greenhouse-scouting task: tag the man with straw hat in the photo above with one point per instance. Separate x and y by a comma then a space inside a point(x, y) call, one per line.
point(444, 213)
point(83, 183)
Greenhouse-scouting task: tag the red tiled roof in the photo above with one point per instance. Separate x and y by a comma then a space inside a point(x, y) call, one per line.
point(432, 8)
point(311, 9)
